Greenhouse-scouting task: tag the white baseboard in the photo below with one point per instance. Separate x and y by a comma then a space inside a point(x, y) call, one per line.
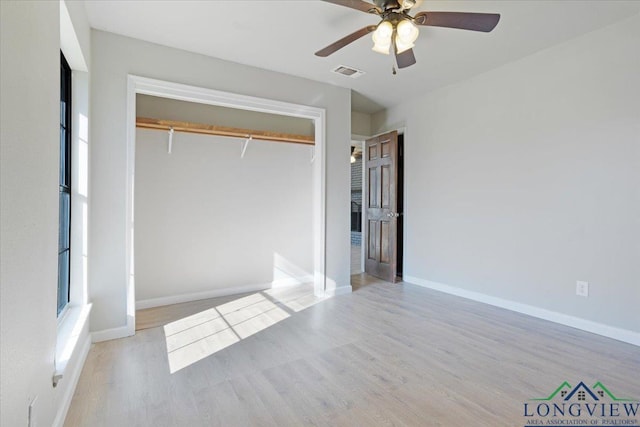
point(619, 334)
point(73, 377)
point(332, 289)
point(112, 334)
point(291, 281)
point(340, 290)
point(195, 296)
point(221, 292)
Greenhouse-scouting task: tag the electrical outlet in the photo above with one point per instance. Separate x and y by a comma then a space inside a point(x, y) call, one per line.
point(582, 289)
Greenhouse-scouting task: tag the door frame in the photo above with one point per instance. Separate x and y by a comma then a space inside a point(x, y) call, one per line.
point(182, 92)
point(401, 131)
point(359, 139)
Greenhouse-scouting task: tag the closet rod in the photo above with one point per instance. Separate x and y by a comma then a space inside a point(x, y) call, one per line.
point(177, 126)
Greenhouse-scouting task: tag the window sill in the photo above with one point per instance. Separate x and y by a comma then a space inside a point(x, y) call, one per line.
point(69, 331)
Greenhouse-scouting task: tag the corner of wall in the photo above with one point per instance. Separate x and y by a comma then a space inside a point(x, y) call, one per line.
point(360, 124)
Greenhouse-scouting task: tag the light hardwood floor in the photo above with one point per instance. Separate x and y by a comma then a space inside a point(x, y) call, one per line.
point(160, 316)
point(383, 355)
point(356, 259)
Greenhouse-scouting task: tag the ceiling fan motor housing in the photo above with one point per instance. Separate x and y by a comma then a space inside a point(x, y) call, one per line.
point(395, 17)
point(386, 5)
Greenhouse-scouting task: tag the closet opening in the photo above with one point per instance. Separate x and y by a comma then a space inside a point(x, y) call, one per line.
point(182, 201)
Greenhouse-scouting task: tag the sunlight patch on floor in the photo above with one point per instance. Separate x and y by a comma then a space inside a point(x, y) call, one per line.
point(198, 336)
point(296, 298)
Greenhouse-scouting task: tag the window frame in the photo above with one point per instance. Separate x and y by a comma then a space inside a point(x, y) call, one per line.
point(64, 186)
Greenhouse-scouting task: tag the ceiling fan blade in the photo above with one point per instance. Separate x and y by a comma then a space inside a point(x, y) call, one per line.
point(463, 20)
point(357, 4)
point(333, 47)
point(405, 58)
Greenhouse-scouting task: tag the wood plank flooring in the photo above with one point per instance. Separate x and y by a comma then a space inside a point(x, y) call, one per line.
point(384, 355)
point(160, 316)
point(356, 259)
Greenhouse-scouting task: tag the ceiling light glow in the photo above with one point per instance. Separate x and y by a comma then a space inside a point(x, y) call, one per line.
point(406, 32)
point(382, 37)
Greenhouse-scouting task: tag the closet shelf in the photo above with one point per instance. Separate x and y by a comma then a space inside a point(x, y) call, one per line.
point(178, 126)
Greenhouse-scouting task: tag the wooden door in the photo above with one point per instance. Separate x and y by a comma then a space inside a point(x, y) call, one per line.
point(381, 213)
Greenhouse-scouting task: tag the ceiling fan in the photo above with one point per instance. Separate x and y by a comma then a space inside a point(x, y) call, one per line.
point(398, 30)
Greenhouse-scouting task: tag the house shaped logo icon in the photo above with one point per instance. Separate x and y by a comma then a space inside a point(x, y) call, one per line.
point(582, 392)
point(596, 405)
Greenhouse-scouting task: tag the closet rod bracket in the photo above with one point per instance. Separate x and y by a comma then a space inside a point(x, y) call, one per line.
point(170, 140)
point(245, 145)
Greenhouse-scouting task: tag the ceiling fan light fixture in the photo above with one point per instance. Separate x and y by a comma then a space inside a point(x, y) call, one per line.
point(406, 32)
point(382, 37)
point(381, 48)
point(384, 30)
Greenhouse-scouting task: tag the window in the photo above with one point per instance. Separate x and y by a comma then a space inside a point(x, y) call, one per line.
point(64, 230)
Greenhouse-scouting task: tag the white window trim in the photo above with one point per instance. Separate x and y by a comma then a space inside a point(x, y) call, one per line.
point(74, 317)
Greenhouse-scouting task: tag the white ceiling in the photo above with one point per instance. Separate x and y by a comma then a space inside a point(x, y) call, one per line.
point(283, 35)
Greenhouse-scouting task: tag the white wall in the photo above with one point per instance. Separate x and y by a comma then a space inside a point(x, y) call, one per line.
point(30, 111)
point(113, 58)
point(207, 220)
point(30, 114)
point(527, 178)
point(30, 88)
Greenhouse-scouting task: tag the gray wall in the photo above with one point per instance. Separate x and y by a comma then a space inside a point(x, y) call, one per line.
point(113, 58)
point(360, 124)
point(525, 179)
point(207, 219)
point(29, 113)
